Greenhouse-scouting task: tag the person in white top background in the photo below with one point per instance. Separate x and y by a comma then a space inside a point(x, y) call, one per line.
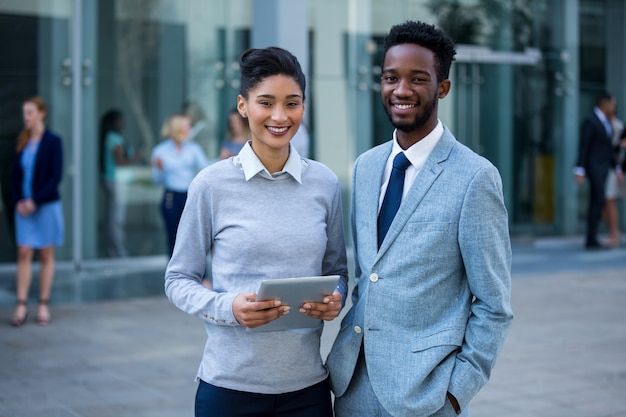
point(610, 213)
point(175, 162)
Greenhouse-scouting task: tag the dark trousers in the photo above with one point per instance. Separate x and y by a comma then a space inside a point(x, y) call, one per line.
point(172, 208)
point(314, 401)
point(597, 182)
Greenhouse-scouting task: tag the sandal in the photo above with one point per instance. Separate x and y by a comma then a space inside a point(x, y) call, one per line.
point(17, 320)
point(43, 319)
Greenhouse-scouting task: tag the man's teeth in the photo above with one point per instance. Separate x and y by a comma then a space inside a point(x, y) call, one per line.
point(404, 106)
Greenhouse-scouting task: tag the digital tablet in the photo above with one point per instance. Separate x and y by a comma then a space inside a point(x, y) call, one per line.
point(295, 292)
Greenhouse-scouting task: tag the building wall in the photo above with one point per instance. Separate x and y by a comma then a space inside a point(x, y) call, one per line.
point(517, 96)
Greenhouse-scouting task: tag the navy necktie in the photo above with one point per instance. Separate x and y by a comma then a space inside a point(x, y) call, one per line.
point(393, 196)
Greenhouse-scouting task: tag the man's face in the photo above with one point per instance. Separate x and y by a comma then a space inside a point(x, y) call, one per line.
point(409, 88)
point(612, 107)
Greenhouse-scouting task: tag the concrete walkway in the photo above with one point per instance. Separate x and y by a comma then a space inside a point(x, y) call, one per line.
point(137, 355)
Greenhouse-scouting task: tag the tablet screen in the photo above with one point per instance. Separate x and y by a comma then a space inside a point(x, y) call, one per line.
point(295, 292)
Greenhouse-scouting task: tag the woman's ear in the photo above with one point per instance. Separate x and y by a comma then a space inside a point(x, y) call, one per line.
point(241, 106)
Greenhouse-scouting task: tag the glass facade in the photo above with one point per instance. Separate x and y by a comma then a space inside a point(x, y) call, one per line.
point(526, 73)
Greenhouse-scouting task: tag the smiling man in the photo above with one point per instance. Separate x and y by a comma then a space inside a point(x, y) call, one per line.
point(431, 304)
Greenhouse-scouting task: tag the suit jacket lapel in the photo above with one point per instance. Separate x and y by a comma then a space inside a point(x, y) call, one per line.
point(424, 180)
point(371, 180)
point(600, 125)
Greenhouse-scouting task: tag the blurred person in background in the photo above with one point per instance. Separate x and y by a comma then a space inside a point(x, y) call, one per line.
point(37, 173)
point(238, 135)
point(199, 131)
point(610, 213)
point(596, 157)
point(114, 153)
point(175, 162)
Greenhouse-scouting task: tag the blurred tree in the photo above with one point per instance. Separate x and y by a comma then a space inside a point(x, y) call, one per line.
point(137, 39)
point(497, 23)
point(464, 23)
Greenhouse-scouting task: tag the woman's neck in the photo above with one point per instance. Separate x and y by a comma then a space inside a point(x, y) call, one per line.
point(178, 143)
point(274, 160)
point(37, 131)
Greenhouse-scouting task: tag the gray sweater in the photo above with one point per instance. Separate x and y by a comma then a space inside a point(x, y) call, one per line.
point(256, 226)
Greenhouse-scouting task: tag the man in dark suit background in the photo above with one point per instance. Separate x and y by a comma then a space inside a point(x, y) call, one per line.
point(595, 158)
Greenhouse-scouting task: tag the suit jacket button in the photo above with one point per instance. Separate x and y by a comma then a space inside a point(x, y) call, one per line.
point(357, 330)
point(374, 277)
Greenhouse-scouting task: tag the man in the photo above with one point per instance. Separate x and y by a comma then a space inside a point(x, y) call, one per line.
point(431, 305)
point(596, 157)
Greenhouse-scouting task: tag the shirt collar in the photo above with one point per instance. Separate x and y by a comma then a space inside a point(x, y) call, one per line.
point(418, 153)
point(252, 165)
point(600, 115)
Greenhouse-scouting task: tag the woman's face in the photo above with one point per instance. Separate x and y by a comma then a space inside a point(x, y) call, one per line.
point(119, 124)
point(32, 115)
point(184, 127)
point(274, 109)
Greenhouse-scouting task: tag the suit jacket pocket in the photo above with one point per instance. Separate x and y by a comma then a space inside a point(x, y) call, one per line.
point(436, 240)
point(448, 337)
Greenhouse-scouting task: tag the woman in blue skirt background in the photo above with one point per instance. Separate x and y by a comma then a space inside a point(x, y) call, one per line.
point(37, 172)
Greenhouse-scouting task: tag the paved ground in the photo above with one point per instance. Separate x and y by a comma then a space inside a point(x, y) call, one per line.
point(115, 351)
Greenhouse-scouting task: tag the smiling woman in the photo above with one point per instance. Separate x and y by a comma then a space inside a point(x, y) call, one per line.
point(273, 118)
point(264, 213)
point(273, 104)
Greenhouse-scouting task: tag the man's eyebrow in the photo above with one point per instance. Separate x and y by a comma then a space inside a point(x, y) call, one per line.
point(416, 71)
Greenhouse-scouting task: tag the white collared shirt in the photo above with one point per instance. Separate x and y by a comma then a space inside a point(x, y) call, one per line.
point(251, 165)
point(416, 154)
point(605, 122)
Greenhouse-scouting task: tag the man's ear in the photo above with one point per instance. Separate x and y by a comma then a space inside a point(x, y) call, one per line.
point(444, 88)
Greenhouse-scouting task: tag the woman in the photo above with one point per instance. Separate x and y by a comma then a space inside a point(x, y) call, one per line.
point(265, 213)
point(37, 172)
point(113, 154)
point(238, 135)
point(175, 162)
point(610, 212)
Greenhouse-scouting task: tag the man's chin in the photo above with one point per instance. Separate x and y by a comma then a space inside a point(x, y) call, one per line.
point(405, 127)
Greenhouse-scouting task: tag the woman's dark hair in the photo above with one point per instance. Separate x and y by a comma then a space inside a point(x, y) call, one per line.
point(258, 64)
point(110, 121)
point(429, 37)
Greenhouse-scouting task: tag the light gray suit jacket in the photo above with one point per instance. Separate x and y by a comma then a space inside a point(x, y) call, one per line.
point(432, 306)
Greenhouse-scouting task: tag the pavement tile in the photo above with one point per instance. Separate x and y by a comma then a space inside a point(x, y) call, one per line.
point(120, 352)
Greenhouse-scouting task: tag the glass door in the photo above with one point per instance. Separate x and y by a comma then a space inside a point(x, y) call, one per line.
point(506, 109)
point(155, 58)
